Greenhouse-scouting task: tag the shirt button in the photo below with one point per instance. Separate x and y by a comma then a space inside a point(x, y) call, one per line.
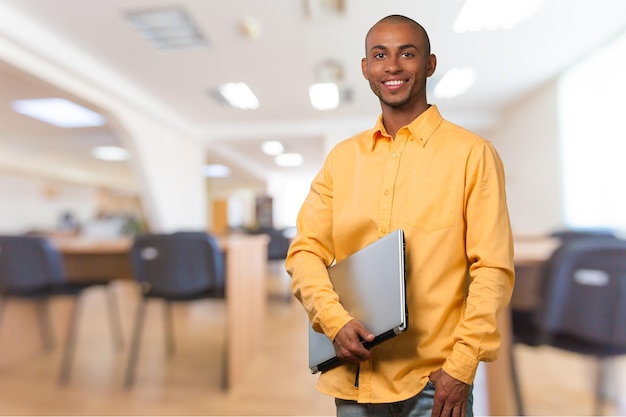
point(386, 192)
point(394, 155)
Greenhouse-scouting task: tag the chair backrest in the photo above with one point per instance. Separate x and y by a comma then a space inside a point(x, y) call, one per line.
point(28, 263)
point(178, 264)
point(566, 235)
point(278, 245)
point(585, 292)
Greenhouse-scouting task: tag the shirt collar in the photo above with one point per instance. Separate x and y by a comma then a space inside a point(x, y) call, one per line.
point(420, 129)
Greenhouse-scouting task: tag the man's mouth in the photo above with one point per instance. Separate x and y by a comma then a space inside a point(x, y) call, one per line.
point(393, 83)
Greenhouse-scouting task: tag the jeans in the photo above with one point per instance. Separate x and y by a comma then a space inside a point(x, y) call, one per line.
point(420, 405)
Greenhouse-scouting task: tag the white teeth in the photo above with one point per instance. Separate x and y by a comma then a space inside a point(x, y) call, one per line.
point(394, 82)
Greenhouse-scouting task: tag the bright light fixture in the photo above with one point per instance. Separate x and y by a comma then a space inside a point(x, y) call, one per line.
point(58, 112)
point(455, 82)
point(494, 14)
point(110, 153)
point(215, 171)
point(167, 28)
point(324, 96)
point(272, 147)
point(289, 160)
point(320, 9)
point(239, 95)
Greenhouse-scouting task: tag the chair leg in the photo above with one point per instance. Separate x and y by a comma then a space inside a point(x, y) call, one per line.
point(2, 302)
point(169, 328)
point(70, 342)
point(134, 343)
point(114, 319)
point(225, 381)
point(44, 324)
point(517, 389)
point(600, 394)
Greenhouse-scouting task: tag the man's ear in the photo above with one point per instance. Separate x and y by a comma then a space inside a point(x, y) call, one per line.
point(364, 68)
point(431, 65)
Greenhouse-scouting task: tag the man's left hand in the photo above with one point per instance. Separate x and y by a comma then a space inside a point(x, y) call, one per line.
point(450, 395)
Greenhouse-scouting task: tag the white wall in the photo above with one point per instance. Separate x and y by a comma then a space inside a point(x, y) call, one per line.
point(166, 163)
point(29, 204)
point(528, 142)
point(288, 194)
point(593, 139)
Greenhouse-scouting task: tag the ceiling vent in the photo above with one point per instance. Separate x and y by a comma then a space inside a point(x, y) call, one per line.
point(167, 28)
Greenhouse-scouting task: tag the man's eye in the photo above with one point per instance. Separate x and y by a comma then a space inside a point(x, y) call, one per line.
point(379, 55)
point(408, 54)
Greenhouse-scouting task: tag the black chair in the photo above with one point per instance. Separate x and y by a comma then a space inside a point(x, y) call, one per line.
point(566, 235)
point(278, 246)
point(31, 268)
point(177, 267)
point(583, 306)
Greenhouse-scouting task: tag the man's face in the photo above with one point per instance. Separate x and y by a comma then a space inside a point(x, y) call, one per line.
point(397, 64)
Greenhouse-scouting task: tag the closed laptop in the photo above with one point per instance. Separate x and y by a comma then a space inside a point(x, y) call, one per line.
point(371, 287)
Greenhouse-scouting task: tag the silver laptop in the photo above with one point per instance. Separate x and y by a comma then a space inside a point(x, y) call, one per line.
point(371, 287)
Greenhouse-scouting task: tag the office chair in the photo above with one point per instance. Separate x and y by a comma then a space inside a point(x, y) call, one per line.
point(278, 245)
point(31, 268)
point(177, 267)
point(583, 306)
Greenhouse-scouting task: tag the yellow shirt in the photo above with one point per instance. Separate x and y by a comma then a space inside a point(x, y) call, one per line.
point(444, 186)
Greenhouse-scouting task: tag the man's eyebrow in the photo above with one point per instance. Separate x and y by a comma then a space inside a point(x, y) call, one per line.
point(401, 47)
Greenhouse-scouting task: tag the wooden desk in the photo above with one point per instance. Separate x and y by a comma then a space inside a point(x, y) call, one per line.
point(530, 254)
point(90, 259)
point(246, 294)
point(246, 298)
point(534, 250)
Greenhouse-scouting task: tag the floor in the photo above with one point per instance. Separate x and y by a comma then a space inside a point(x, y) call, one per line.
point(189, 382)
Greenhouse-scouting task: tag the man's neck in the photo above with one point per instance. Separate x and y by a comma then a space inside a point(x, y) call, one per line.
point(394, 118)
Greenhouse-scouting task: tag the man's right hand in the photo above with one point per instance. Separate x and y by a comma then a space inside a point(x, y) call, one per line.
point(349, 342)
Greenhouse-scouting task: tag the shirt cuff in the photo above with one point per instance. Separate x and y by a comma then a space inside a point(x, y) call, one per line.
point(332, 320)
point(461, 367)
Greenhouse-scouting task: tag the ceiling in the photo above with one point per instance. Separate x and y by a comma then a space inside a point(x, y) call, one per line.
point(92, 39)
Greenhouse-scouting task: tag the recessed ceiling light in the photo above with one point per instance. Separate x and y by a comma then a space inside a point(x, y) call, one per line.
point(58, 112)
point(215, 171)
point(324, 96)
point(167, 28)
point(272, 147)
point(250, 27)
point(494, 14)
point(455, 82)
point(289, 160)
point(110, 153)
point(239, 95)
point(318, 9)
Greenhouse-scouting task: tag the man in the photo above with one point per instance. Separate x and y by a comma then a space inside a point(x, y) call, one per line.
point(444, 186)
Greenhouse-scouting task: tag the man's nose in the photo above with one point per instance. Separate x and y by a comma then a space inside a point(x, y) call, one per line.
point(393, 65)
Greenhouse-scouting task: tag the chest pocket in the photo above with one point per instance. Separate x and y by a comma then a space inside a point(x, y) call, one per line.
point(429, 204)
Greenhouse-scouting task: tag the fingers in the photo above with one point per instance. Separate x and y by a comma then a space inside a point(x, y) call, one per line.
point(451, 395)
point(437, 406)
point(349, 342)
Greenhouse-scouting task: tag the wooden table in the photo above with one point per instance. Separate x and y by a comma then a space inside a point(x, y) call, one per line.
point(246, 294)
point(95, 259)
point(530, 254)
point(534, 249)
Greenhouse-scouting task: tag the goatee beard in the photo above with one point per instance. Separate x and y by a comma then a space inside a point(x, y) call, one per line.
point(395, 104)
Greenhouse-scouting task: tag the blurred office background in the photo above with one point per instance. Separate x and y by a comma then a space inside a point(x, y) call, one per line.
point(547, 90)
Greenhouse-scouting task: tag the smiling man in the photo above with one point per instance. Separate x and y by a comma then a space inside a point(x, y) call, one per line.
point(444, 186)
